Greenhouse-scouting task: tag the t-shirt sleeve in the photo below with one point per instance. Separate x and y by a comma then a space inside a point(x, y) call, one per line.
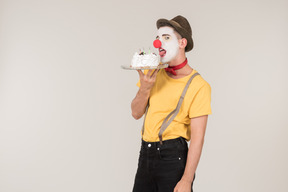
point(201, 103)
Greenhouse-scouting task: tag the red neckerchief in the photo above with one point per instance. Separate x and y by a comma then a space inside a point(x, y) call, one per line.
point(171, 69)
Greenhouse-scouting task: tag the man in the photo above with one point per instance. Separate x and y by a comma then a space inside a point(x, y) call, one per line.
point(176, 104)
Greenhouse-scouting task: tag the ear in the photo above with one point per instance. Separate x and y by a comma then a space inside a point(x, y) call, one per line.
point(183, 43)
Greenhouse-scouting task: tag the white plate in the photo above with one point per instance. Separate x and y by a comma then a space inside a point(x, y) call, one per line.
point(161, 66)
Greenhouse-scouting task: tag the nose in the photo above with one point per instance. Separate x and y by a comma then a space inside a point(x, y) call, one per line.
point(157, 43)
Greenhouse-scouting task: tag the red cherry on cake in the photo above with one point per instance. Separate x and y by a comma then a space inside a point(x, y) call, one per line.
point(157, 43)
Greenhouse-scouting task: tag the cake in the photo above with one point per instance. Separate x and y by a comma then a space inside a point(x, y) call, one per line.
point(143, 59)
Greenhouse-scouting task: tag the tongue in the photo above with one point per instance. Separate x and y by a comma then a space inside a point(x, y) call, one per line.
point(162, 53)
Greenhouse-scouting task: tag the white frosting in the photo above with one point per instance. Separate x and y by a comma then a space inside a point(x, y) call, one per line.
point(145, 60)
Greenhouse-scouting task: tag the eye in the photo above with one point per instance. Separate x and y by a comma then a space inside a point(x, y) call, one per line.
point(166, 37)
point(157, 37)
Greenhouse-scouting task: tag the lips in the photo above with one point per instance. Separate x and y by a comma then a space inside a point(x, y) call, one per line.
point(162, 52)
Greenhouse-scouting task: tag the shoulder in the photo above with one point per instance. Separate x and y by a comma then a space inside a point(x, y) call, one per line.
point(199, 83)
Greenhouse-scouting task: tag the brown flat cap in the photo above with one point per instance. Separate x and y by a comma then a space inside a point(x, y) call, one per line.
point(182, 26)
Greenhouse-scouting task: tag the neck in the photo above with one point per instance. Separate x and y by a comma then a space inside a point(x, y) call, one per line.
point(186, 70)
point(180, 58)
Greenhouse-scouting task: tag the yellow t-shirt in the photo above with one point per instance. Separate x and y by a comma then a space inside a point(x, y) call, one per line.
point(164, 97)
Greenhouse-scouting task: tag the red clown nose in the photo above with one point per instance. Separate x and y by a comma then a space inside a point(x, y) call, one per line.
point(157, 43)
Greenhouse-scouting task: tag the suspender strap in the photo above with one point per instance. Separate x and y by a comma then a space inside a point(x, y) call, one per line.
point(173, 114)
point(168, 120)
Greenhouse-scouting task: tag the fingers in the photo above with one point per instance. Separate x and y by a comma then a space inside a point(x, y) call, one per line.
point(148, 75)
point(140, 72)
point(175, 189)
point(154, 73)
point(149, 72)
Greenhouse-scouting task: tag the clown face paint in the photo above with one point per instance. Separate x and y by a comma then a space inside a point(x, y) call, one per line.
point(170, 45)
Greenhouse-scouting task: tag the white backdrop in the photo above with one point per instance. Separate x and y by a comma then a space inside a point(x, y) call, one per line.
point(65, 118)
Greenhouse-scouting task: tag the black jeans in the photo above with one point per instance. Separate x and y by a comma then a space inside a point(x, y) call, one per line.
point(160, 167)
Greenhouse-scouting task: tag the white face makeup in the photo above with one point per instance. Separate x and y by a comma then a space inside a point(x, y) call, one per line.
point(170, 45)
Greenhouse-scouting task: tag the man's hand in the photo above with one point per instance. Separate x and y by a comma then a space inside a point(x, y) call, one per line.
point(139, 103)
point(198, 128)
point(147, 81)
point(183, 186)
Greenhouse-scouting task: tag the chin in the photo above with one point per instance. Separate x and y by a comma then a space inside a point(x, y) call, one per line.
point(166, 60)
point(163, 61)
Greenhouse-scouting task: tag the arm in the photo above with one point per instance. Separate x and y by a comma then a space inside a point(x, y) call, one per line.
point(139, 103)
point(198, 127)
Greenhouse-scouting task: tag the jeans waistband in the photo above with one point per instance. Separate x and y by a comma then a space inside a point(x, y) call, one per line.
point(146, 144)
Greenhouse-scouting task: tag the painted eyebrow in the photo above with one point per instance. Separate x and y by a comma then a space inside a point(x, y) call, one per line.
point(162, 35)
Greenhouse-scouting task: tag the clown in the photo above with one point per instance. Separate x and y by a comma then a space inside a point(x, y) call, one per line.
point(170, 39)
point(169, 44)
point(176, 104)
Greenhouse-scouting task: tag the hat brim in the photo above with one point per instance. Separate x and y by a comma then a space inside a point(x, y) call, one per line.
point(178, 29)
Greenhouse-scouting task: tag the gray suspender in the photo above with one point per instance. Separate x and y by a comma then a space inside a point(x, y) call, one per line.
point(173, 114)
